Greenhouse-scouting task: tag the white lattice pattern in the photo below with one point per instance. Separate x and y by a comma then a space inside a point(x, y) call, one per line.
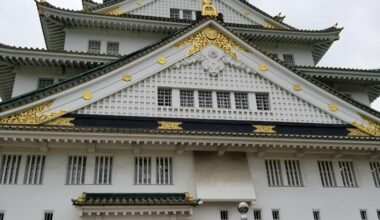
point(161, 8)
point(141, 98)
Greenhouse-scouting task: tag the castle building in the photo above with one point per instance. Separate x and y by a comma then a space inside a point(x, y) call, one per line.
point(181, 109)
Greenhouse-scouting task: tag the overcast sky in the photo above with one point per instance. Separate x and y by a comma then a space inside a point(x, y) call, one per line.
point(359, 46)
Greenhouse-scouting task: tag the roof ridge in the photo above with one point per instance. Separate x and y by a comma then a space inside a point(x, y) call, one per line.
point(338, 68)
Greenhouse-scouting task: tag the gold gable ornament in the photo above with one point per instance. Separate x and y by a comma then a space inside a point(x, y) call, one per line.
point(372, 127)
point(208, 9)
point(168, 125)
point(264, 129)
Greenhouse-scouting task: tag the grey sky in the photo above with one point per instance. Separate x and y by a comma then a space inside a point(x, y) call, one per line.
point(359, 46)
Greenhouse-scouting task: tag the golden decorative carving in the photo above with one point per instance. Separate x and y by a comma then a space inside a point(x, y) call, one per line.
point(169, 125)
point(263, 67)
point(356, 132)
point(87, 95)
point(264, 129)
point(210, 36)
point(33, 116)
point(82, 198)
point(372, 127)
point(188, 197)
point(297, 87)
point(269, 25)
point(114, 12)
point(333, 107)
point(127, 77)
point(61, 122)
point(208, 9)
point(162, 60)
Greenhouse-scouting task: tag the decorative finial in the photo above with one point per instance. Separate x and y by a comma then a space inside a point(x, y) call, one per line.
point(208, 9)
point(336, 25)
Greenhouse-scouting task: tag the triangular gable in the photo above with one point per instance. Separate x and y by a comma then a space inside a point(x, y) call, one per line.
point(109, 79)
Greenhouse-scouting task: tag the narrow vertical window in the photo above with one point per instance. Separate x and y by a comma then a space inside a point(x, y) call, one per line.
point(262, 101)
point(2, 215)
point(274, 175)
point(174, 13)
point(113, 48)
point(363, 214)
point(164, 97)
point(143, 170)
point(348, 173)
point(76, 170)
point(205, 99)
point(34, 169)
point(378, 214)
point(186, 98)
point(164, 170)
point(48, 216)
point(375, 169)
point(241, 100)
point(316, 215)
point(187, 15)
point(223, 99)
point(224, 215)
point(9, 169)
point(94, 46)
point(326, 170)
point(293, 172)
point(45, 82)
point(276, 214)
point(103, 170)
point(289, 59)
point(257, 214)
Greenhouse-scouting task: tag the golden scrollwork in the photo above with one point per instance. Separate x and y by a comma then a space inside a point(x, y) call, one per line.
point(297, 87)
point(210, 36)
point(114, 12)
point(61, 122)
point(162, 60)
point(333, 107)
point(208, 9)
point(264, 129)
point(356, 132)
point(169, 125)
point(127, 77)
point(33, 116)
point(372, 127)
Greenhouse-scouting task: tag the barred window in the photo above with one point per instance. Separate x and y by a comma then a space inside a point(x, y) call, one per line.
point(164, 97)
point(34, 169)
point(378, 214)
point(205, 99)
point(276, 214)
point(103, 170)
point(9, 169)
point(326, 170)
point(289, 59)
point(348, 173)
point(316, 215)
point(174, 13)
point(293, 172)
point(274, 174)
point(48, 216)
point(2, 215)
point(223, 99)
point(113, 48)
point(375, 169)
point(187, 14)
point(143, 170)
point(262, 101)
point(241, 100)
point(224, 215)
point(45, 82)
point(76, 170)
point(164, 171)
point(257, 214)
point(186, 98)
point(363, 214)
point(94, 46)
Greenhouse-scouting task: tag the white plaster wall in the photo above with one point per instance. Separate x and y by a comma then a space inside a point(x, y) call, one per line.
point(358, 93)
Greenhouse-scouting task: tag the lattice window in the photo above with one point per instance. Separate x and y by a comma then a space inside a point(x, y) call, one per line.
point(2, 215)
point(174, 13)
point(262, 101)
point(48, 216)
point(103, 169)
point(274, 173)
point(223, 100)
point(187, 14)
point(375, 169)
point(293, 172)
point(34, 169)
point(348, 173)
point(257, 214)
point(164, 97)
point(363, 214)
point(316, 215)
point(143, 170)
point(164, 171)
point(94, 46)
point(45, 82)
point(76, 170)
point(186, 98)
point(113, 48)
point(9, 169)
point(241, 100)
point(276, 214)
point(326, 170)
point(289, 59)
point(205, 99)
point(224, 215)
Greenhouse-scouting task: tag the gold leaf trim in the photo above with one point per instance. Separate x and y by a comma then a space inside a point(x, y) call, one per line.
point(263, 67)
point(87, 95)
point(208, 9)
point(297, 88)
point(356, 132)
point(210, 36)
point(372, 127)
point(333, 107)
point(114, 12)
point(61, 122)
point(268, 25)
point(162, 60)
point(127, 77)
point(168, 125)
point(33, 116)
point(264, 129)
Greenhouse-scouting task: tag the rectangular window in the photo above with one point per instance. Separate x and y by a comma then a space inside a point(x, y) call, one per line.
point(363, 215)
point(262, 101)
point(2, 215)
point(257, 214)
point(223, 99)
point(103, 170)
point(224, 215)
point(76, 170)
point(94, 46)
point(316, 215)
point(375, 169)
point(143, 170)
point(34, 169)
point(274, 175)
point(174, 13)
point(241, 100)
point(186, 98)
point(9, 169)
point(48, 216)
point(326, 170)
point(276, 214)
point(187, 15)
point(348, 173)
point(113, 48)
point(164, 97)
point(45, 82)
point(205, 99)
point(289, 59)
point(293, 172)
point(378, 214)
point(164, 170)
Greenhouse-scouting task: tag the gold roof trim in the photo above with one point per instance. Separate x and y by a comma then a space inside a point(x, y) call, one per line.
point(169, 125)
point(61, 122)
point(264, 129)
point(208, 9)
point(372, 127)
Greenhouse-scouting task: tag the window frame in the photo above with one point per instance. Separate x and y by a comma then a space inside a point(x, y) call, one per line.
point(27, 174)
point(223, 214)
point(2, 215)
point(278, 214)
point(187, 98)
point(289, 59)
point(171, 12)
point(375, 171)
point(94, 50)
point(241, 102)
point(12, 174)
point(40, 82)
point(143, 178)
point(318, 212)
point(336, 174)
point(260, 213)
point(113, 51)
point(165, 101)
point(205, 102)
point(51, 213)
point(106, 180)
point(220, 100)
point(363, 214)
point(83, 171)
point(264, 103)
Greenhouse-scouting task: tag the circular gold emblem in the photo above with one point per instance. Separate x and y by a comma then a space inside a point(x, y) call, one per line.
point(211, 34)
point(263, 67)
point(87, 95)
point(297, 88)
point(333, 107)
point(162, 60)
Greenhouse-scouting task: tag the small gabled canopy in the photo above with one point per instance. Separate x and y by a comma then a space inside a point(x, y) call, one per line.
point(47, 104)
